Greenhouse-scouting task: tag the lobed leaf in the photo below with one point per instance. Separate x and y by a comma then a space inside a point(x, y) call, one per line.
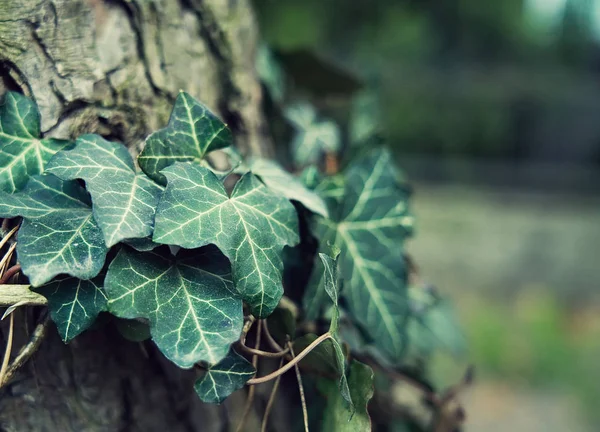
point(194, 312)
point(74, 304)
point(369, 227)
point(222, 379)
point(124, 201)
point(22, 152)
point(360, 384)
point(192, 132)
point(59, 233)
point(251, 228)
point(329, 354)
point(313, 137)
point(282, 182)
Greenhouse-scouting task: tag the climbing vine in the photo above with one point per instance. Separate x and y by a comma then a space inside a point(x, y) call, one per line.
point(196, 256)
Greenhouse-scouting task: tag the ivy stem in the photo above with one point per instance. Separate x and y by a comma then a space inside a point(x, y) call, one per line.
point(27, 351)
point(261, 353)
point(251, 391)
point(300, 388)
point(7, 257)
point(271, 401)
point(10, 273)
point(291, 364)
point(270, 338)
point(8, 235)
point(8, 348)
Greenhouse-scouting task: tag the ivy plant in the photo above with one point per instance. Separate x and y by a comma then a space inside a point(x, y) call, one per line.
point(200, 256)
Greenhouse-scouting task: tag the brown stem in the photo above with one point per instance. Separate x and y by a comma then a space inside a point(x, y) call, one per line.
point(300, 388)
point(10, 273)
point(291, 364)
point(8, 350)
point(271, 400)
point(8, 235)
point(251, 391)
point(27, 351)
point(270, 338)
point(6, 258)
point(261, 353)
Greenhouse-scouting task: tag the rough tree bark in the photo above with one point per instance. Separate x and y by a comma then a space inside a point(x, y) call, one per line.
point(114, 67)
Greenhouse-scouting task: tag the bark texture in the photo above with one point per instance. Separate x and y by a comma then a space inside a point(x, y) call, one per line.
point(114, 67)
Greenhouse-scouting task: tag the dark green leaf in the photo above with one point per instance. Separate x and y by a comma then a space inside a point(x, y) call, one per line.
point(192, 132)
point(370, 228)
point(74, 304)
point(323, 283)
point(132, 329)
point(337, 418)
point(329, 353)
point(222, 379)
point(282, 324)
point(22, 152)
point(124, 201)
point(194, 312)
point(59, 233)
point(283, 183)
point(251, 228)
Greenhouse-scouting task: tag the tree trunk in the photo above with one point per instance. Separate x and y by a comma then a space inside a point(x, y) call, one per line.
point(114, 67)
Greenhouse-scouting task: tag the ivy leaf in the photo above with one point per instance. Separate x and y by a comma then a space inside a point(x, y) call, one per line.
point(270, 73)
point(251, 228)
point(313, 137)
point(323, 283)
point(124, 202)
point(372, 222)
point(194, 312)
point(331, 189)
point(192, 132)
point(282, 182)
point(58, 234)
point(132, 329)
point(222, 379)
point(360, 383)
point(329, 353)
point(74, 304)
point(433, 324)
point(22, 152)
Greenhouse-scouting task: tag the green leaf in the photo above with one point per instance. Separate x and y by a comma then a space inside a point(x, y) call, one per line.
point(370, 227)
point(124, 201)
point(282, 324)
point(282, 182)
point(336, 418)
point(365, 117)
point(251, 228)
point(270, 73)
point(313, 137)
point(194, 312)
point(22, 152)
point(323, 283)
point(329, 354)
point(59, 233)
point(222, 379)
point(74, 304)
point(192, 132)
point(433, 324)
point(328, 359)
point(132, 329)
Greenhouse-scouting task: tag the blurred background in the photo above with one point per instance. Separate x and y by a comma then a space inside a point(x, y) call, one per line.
point(492, 109)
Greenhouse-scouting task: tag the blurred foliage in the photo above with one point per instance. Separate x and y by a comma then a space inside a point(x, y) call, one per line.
point(536, 342)
point(459, 77)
